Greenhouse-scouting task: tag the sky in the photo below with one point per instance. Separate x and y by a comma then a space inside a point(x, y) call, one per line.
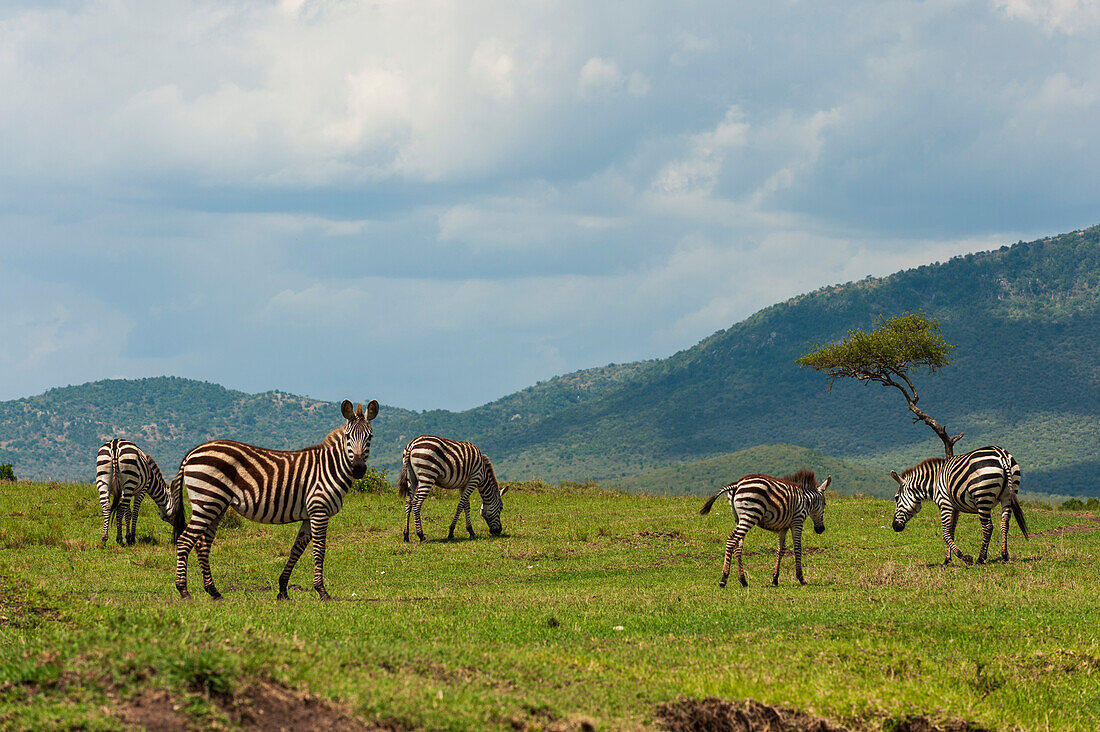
point(436, 204)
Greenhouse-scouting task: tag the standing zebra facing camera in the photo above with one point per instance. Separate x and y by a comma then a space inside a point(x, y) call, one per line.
point(125, 472)
point(970, 483)
point(272, 487)
point(430, 461)
point(775, 504)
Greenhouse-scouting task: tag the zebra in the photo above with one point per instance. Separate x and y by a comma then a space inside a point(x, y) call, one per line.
point(272, 487)
point(429, 461)
point(970, 483)
point(123, 472)
point(775, 504)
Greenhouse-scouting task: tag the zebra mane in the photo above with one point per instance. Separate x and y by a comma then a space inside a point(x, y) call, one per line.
point(803, 478)
point(333, 438)
point(928, 462)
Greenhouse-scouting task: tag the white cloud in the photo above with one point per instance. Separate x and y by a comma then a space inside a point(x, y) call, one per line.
point(1063, 16)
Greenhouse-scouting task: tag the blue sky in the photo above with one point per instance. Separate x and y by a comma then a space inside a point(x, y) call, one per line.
point(438, 203)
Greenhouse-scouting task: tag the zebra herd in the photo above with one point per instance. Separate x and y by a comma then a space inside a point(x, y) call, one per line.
point(309, 486)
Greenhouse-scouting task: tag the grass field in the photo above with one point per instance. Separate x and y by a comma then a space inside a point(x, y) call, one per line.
point(593, 609)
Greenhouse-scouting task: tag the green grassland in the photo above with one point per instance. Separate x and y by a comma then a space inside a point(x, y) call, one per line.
point(593, 608)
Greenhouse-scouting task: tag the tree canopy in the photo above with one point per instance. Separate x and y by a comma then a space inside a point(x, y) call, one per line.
point(888, 354)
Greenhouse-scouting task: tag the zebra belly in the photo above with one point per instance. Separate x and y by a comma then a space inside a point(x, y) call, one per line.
point(278, 509)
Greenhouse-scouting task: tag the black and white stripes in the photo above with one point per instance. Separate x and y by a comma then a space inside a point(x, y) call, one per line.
point(775, 504)
point(272, 487)
point(125, 473)
point(970, 483)
point(430, 461)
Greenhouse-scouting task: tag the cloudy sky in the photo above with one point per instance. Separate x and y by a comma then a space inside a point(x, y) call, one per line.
point(439, 203)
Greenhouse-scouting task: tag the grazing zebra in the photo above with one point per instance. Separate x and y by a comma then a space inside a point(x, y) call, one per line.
point(775, 504)
point(272, 487)
point(970, 483)
point(123, 471)
point(436, 461)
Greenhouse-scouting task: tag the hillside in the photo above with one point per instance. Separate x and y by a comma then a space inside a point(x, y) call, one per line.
point(701, 477)
point(1027, 375)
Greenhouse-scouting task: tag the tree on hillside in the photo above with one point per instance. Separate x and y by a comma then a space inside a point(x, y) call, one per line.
point(889, 354)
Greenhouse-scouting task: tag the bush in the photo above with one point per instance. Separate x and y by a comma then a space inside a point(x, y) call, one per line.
point(1073, 504)
point(6, 472)
point(374, 482)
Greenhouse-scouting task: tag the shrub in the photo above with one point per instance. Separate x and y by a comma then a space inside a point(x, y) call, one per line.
point(6, 472)
point(1073, 504)
point(374, 482)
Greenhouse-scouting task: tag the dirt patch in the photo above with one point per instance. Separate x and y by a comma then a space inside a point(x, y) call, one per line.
point(717, 715)
point(261, 705)
point(1071, 529)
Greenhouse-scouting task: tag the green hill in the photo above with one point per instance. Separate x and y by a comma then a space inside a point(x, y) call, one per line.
point(703, 477)
point(1027, 376)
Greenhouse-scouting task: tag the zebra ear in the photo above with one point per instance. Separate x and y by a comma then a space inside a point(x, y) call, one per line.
point(824, 486)
point(504, 490)
point(896, 477)
point(372, 409)
point(347, 410)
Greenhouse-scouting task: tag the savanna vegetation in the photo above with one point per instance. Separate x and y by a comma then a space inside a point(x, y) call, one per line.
point(595, 610)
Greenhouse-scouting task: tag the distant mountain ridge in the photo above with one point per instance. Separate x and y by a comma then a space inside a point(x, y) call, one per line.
point(1027, 376)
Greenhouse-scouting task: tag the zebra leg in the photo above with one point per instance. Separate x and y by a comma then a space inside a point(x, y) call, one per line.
point(733, 547)
point(779, 555)
point(1005, 512)
point(202, 549)
point(131, 531)
point(300, 543)
point(796, 539)
point(186, 542)
point(421, 495)
point(463, 502)
point(105, 508)
point(949, 518)
point(469, 526)
point(318, 527)
point(123, 519)
point(987, 532)
point(408, 513)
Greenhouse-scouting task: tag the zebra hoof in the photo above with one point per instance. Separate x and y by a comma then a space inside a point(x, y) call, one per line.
point(421, 537)
point(801, 581)
point(967, 559)
point(775, 582)
point(721, 583)
point(472, 534)
point(185, 595)
point(981, 560)
point(451, 536)
point(744, 582)
point(282, 595)
point(325, 597)
point(1004, 557)
point(406, 538)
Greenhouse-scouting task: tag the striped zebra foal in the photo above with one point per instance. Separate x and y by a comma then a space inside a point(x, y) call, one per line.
point(775, 504)
point(124, 472)
point(970, 483)
point(430, 461)
point(272, 487)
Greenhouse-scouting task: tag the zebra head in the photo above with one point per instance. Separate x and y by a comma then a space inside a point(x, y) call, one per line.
point(492, 499)
point(817, 506)
point(908, 499)
point(357, 434)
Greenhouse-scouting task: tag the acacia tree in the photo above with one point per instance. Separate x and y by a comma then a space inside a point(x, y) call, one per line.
point(889, 354)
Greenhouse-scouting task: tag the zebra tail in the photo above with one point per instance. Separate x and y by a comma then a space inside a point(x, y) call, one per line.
point(403, 482)
point(1018, 512)
point(179, 518)
point(710, 502)
point(115, 484)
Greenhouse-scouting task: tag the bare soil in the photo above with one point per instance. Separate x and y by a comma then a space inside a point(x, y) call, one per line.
point(262, 705)
point(718, 715)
